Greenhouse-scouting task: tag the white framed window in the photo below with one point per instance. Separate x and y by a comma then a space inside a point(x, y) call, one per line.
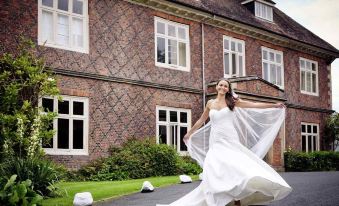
point(273, 66)
point(309, 137)
point(234, 57)
point(172, 125)
point(308, 77)
point(172, 45)
point(263, 11)
point(63, 24)
point(71, 125)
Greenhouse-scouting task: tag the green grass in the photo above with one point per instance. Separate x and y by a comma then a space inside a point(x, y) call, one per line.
point(107, 189)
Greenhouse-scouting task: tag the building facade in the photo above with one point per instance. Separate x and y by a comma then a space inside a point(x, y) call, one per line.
point(137, 68)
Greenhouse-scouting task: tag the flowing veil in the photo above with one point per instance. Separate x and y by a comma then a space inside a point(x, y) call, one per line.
point(256, 128)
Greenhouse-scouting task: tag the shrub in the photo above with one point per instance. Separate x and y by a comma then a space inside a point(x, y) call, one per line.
point(138, 159)
point(42, 173)
point(313, 161)
point(19, 193)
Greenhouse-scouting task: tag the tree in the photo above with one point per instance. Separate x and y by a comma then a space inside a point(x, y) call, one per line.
point(24, 79)
point(331, 130)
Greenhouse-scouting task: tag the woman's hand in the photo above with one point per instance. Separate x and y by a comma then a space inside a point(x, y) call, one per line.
point(186, 137)
point(279, 105)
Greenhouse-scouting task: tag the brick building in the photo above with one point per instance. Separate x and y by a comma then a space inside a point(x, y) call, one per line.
point(146, 68)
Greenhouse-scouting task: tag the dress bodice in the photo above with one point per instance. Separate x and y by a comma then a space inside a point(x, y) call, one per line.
point(222, 124)
point(221, 117)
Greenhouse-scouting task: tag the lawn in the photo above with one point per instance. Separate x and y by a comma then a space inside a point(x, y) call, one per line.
point(107, 189)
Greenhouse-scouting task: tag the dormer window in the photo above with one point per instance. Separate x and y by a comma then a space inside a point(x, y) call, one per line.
point(260, 8)
point(263, 11)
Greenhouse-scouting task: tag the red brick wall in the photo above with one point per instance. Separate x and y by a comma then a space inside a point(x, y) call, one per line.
point(118, 111)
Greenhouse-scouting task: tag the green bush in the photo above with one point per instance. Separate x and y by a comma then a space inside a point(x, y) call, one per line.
point(42, 173)
point(19, 193)
point(313, 161)
point(138, 159)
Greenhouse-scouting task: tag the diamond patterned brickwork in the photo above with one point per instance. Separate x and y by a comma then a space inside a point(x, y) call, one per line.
point(118, 111)
point(121, 37)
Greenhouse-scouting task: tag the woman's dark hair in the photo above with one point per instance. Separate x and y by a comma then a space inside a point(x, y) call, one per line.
point(230, 99)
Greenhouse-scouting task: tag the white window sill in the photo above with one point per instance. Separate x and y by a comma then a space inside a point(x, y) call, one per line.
point(184, 69)
point(85, 51)
point(310, 93)
point(65, 152)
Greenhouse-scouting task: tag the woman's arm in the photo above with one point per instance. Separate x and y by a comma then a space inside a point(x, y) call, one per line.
point(200, 121)
point(249, 104)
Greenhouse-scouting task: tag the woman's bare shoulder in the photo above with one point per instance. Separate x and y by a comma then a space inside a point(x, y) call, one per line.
point(209, 103)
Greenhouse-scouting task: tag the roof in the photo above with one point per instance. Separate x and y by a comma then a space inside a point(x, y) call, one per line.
point(283, 24)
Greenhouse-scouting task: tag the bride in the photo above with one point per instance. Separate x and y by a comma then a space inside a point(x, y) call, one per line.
point(230, 149)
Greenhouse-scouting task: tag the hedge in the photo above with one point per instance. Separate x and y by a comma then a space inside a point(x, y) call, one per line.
point(312, 161)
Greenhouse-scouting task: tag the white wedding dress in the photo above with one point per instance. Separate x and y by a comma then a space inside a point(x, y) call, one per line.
point(230, 148)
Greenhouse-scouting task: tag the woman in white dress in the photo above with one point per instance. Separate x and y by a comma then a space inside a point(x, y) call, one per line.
point(230, 149)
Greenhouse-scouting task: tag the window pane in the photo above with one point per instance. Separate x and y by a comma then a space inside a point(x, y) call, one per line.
point(47, 104)
point(309, 129)
point(264, 11)
point(47, 26)
point(77, 6)
point(272, 56)
point(183, 117)
point(63, 133)
point(162, 115)
point(266, 71)
point(78, 134)
point(303, 128)
point(234, 64)
point(173, 135)
point(171, 30)
point(226, 44)
point(313, 67)
point(315, 129)
point(302, 64)
point(314, 143)
point(160, 50)
point(160, 28)
point(77, 32)
point(172, 52)
point(264, 55)
point(226, 63)
point(309, 143)
point(239, 47)
point(62, 30)
point(308, 81)
point(181, 33)
point(279, 76)
point(162, 134)
point(303, 80)
point(269, 13)
point(173, 116)
point(303, 143)
point(78, 108)
point(278, 58)
point(314, 83)
point(232, 45)
point(48, 143)
point(63, 107)
point(241, 67)
point(182, 54)
point(308, 65)
point(273, 74)
point(63, 5)
point(48, 3)
point(183, 131)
